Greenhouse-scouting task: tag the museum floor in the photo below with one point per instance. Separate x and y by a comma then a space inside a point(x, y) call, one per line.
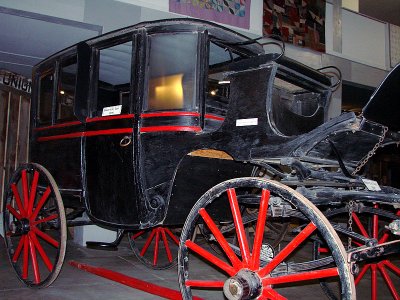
point(73, 283)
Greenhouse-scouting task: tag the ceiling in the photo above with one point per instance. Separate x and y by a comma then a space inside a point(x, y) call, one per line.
point(27, 38)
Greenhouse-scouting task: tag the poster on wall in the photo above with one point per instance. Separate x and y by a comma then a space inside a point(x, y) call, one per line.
point(298, 22)
point(230, 12)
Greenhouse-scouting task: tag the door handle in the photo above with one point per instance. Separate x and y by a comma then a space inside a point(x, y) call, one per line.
point(125, 141)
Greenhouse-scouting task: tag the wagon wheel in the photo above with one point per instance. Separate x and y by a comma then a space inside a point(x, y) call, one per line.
point(34, 226)
point(156, 247)
point(371, 222)
point(254, 269)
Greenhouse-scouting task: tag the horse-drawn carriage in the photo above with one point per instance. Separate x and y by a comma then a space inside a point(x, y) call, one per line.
point(185, 122)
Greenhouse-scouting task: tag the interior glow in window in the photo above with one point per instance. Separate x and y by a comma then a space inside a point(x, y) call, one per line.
point(172, 72)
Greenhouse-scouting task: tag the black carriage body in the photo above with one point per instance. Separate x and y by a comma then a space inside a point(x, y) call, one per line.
point(136, 124)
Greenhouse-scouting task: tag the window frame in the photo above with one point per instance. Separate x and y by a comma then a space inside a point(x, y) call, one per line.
point(95, 62)
point(43, 72)
point(61, 60)
point(198, 73)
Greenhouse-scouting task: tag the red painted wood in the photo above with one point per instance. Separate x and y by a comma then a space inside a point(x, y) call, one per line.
point(388, 281)
point(170, 128)
point(170, 114)
point(61, 125)
point(205, 283)
point(237, 264)
point(19, 249)
point(306, 232)
point(331, 272)
point(260, 227)
point(361, 274)
point(32, 194)
point(211, 258)
point(108, 118)
point(18, 200)
point(35, 265)
point(213, 117)
point(144, 286)
point(85, 133)
point(240, 232)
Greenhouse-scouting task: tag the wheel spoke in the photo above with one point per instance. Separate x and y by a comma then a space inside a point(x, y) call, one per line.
point(41, 251)
point(35, 265)
point(148, 242)
point(173, 237)
point(17, 198)
point(32, 194)
point(237, 264)
point(388, 281)
point(166, 245)
point(361, 274)
point(270, 294)
point(46, 237)
point(13, 212)
point(155, 257)
point(205, 283)
point(25, 189)
point(392, 267)
point(42, 201)
point(240, 232)
point(260, 227)
point(375, 225)
point(49, 218)
point(374, 281)
point(211, 258)
point(332, 272)
point(25, 262)
point(19, 249)
point(136, 235)
point(360, 225)
point(305, 233)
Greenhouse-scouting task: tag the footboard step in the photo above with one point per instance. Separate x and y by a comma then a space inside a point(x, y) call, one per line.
point(135, 283)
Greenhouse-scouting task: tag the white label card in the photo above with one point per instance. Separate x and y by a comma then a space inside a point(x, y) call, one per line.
point(247, 122)
point(371, 185)
point(111, 110)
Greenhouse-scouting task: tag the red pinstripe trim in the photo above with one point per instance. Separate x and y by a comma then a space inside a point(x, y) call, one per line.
point(107, 118)
point(170, 114)
point(170, 128)
point(85, 133)
point(214, 117)
point(59, 125)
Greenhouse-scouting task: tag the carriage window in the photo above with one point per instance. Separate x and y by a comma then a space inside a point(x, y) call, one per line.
point(46, 88)
point(172, 72)
point(217, 98)
point(114, 79)
point(66, 90)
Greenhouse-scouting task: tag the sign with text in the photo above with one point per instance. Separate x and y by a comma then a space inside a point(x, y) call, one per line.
point(15, 81)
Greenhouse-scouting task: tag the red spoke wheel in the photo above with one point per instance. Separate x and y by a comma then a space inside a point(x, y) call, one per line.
point(378, 277)
point(156, 247)
point(253, 269)
point(34, 226)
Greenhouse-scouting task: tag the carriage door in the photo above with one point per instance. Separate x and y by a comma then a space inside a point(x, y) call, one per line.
point(109, 136)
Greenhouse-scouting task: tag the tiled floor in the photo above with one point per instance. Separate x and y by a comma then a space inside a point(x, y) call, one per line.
point(76, 284)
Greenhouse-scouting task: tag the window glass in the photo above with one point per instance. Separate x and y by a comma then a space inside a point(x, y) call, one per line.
point(46, 88)
point(66, 90)
point(172, 72)
point(114, 79)
point(217, 98)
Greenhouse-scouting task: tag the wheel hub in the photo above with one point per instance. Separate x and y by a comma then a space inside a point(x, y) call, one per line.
point(20, 227)
point(244, 285)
